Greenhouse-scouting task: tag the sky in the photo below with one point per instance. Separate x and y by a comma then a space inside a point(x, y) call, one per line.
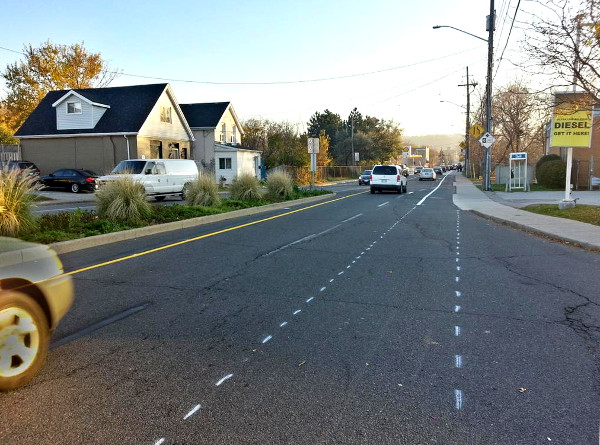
point(272, 57)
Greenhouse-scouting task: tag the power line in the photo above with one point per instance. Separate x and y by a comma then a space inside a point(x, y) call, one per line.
point(12, 50)
point(508, 38)
point(287, 82)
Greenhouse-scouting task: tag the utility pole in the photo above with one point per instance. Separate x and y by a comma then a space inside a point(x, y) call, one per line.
point(488, 108)
point(352, 126)
point(467, 145)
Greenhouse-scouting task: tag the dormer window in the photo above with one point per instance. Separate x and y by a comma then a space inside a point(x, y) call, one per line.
point(165, 114)
point(73, 107)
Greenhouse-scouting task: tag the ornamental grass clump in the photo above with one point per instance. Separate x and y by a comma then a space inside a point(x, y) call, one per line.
point(202, 192)
point(16, 201)
point(245, 188)
point(280, 186)
point(123, 200)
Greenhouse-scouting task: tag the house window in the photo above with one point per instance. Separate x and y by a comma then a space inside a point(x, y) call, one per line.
point(73, 107)
point(224, 163)
point(223, 133)
point(165, 114)
point(234, 135)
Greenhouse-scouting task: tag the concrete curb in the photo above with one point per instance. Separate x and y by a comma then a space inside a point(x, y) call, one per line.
point(537, 231)
point(108, 238)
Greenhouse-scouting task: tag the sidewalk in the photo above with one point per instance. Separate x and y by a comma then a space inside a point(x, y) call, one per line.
point(469, 197)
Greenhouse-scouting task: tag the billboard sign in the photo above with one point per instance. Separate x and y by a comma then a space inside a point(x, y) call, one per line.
point(571, 126)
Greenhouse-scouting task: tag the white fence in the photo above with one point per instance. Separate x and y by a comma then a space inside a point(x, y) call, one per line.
point(10, 153)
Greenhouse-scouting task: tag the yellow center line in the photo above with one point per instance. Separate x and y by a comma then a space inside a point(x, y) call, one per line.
point(208, 235)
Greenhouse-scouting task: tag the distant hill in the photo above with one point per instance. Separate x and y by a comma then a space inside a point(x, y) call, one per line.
point(436, 141)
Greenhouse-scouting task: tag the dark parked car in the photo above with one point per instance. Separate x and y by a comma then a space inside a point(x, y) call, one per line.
point(22, 166)
point(365, 178)
point(71, 179)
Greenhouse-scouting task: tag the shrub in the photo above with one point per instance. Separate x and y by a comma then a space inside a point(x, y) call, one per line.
point(552, 174)
point(245, 188)
point(123, 200)
point(544, 159)
point(16, 202)
point(202, 192)
point(279, 186)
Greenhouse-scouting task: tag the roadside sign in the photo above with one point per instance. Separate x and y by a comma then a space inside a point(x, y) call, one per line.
point(313, 145)
point(518, 155)
point(356, 156)
point(571, 126)
point(487, 140)
point(476, 130)
point(462, 144)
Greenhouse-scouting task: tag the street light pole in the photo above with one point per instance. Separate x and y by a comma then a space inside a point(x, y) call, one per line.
point(488, 107)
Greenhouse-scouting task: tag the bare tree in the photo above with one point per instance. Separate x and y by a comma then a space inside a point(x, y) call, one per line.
point(563, 41)
point(518, 116)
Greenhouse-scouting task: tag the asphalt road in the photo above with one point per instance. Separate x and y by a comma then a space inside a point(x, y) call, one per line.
point(365, 319)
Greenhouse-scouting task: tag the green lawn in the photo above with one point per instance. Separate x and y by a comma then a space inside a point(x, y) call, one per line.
point(584, 213)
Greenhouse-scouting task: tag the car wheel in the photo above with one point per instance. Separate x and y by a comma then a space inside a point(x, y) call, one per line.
point(75, 188)
point(403, 189)
point(24, 337)
point(159, 198)
point(372, 191)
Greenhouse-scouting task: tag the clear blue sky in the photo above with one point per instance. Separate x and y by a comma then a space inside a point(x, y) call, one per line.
point(271, 41)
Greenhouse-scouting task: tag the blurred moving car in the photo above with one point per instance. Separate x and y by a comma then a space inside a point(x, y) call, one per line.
point(438, 170)
point(34, 296)
point(71, 179)
point(24, 167)
point(365, 178)
point(418, 170)
point(427, 174)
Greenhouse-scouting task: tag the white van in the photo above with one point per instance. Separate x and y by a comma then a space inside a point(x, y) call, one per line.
point(160, 177)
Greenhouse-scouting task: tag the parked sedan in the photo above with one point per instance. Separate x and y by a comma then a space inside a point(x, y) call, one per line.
point(34, 295)
point(71, 179)
point(427, 174)
point(365, 178)
point(23, 167)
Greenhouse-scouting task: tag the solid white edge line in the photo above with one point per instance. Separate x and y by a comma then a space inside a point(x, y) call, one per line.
point(192, 412)
point(431, 192)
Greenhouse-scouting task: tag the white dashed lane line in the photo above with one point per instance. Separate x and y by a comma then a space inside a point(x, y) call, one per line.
point(192, 412)
point(458, 399)
point(223, 379)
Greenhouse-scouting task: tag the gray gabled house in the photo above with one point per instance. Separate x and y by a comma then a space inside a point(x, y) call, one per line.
point(218, 140)
point(96, 128)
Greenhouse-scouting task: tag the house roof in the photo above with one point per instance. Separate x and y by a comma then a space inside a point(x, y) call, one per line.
point(129, 109)
point(204, 115)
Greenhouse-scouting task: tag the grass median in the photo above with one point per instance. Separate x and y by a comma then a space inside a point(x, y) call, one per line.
point(66, 226)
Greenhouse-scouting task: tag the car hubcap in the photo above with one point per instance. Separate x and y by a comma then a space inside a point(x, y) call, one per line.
point(19, 341)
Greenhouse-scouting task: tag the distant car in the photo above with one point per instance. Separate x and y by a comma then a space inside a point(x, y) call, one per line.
point(438, 170)
point(34, 296)
point(24, 167)
point(71, 179)
point(388, 177)
point(418, 170)
point(365, 178)
point(427, 174)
